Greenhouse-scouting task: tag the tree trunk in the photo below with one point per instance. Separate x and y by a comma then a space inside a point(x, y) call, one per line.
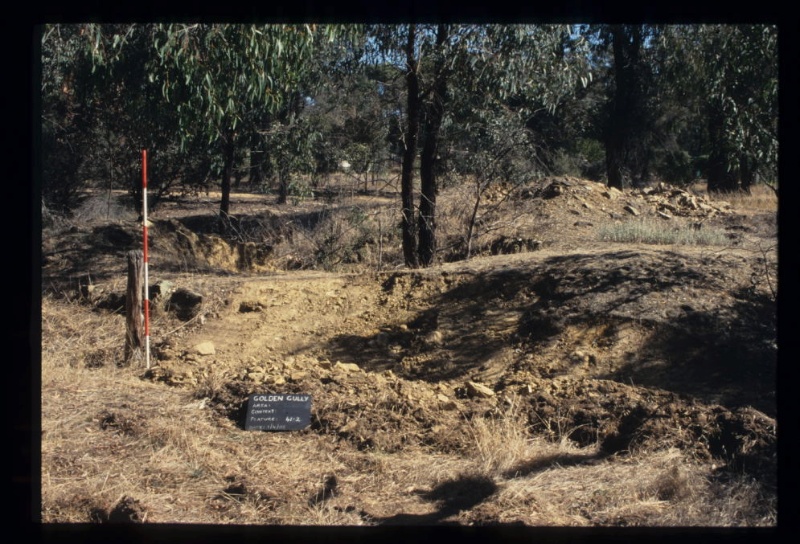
point(429, 188)
point(720, 178)
point(283, 186)
point(615, 135)
point(746, 172)
point(614, 161)
point(409, 154)
point(258, 155)
point(227, 173)
point(256, 168)
point(134, 317)
point(626, 42)
point(474, 217)
point(238, 172)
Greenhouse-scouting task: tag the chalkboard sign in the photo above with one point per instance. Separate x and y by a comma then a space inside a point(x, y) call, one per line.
point(278, 412)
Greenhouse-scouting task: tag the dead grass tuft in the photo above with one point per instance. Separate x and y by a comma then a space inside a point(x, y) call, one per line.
point(72, 337)
point(501, 441)
point(760, 199)
point(656, 489)
point(653, 231)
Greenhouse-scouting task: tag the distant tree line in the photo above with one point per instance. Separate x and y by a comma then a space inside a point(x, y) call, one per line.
point(444, 104)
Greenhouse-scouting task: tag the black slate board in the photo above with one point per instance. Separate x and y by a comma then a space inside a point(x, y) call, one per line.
point(278, 412)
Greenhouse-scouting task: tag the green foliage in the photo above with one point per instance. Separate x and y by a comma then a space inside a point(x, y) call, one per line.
point(99, 110)
point(497, 103)
point(448, 70)
point(730, 74)
point(221, 75)
point(534, 65)
point(222, 83)
point(583, 157)
point(67, 111)
point(678, 168)
point(353, 107)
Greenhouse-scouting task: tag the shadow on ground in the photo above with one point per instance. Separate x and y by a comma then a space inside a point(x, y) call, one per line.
point(450, 497)
point(720, 350)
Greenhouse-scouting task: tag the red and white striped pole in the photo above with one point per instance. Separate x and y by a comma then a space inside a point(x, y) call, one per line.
point(146, 278)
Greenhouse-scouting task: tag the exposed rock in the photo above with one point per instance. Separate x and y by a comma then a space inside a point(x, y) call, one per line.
point(553, 190)
point(160, 290)
point(631, 210)
point(205, 348)
point(445, 402)
point(256, 377)
point(185, 303)
point(251, 306)
point(252, 255)
point(677, 201)
point(526, 389)
point(434, 338)
point(347, 367)
point(479, 390)
point(297, 375)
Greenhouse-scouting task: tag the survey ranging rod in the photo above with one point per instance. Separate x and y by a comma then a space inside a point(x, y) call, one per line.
point(146, 259)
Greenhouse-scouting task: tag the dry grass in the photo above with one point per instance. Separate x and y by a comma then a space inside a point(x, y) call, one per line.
point(501, 213)
point(108, 436)
point(502, 443)
point(656, 489)
point(653, 231)
point(356, 233)
point(761, 198)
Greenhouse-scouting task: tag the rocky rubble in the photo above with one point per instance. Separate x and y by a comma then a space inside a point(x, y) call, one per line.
point(660, 199)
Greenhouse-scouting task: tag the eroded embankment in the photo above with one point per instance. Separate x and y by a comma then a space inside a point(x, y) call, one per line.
point(629, 349)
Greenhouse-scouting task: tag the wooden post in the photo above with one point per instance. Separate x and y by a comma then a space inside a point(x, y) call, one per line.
point(134, 318)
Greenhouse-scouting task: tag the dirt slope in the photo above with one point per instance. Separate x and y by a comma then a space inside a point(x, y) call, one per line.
point(627, 347)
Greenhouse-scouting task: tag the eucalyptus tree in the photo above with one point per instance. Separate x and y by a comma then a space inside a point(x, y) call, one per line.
point(67, 114)
point(536, 64)
point(217, 81)
point(489, 144)
point(730, 74)
point(626, 61)
point(100, 108)
point(686, 100)
point(222, 78)
point(350, 107)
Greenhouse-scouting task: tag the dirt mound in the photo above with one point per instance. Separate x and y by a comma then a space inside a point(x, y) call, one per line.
point(661, 199)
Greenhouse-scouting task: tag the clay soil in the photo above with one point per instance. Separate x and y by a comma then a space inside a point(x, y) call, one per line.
point(554, 378)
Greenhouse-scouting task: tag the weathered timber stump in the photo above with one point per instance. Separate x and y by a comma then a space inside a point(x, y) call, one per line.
point(134, 316)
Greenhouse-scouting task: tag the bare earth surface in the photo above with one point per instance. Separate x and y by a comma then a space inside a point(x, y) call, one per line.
point(612, 353)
